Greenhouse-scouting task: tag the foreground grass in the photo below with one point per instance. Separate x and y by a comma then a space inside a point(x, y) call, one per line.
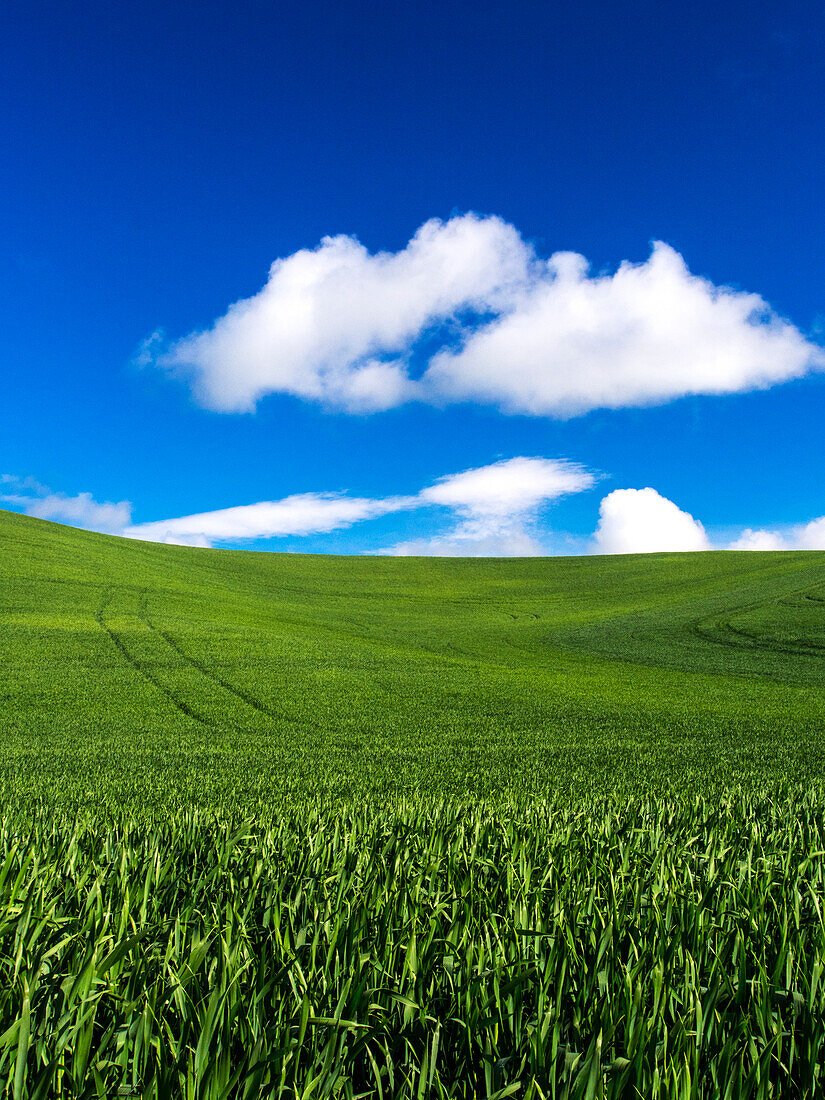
point(649, 948)
point(275, 825)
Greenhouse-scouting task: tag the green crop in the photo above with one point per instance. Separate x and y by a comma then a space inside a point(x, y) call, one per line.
point(678, 950)
point(295, 826)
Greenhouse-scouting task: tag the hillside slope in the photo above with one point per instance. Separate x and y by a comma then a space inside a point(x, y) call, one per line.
point(148, 675)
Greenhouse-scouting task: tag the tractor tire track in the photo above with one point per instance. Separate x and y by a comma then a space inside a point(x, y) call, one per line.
point(245, 697)
point(249, 700)
point(721, 631)
point(117, 641)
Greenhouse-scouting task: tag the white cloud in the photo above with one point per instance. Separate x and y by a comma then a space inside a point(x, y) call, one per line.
point(330, 323)
point(79, 511)
point(493, 507)
point(804, 536)
point(641, 521)
point(496, 507)
point(513, 486)
point(494, 510)
point(758, 540)
point(513, 540)
point(337, 325)
point(647, 334)
point(811, 536)
point(24, 484)
point(301, 514)
point(83, 511)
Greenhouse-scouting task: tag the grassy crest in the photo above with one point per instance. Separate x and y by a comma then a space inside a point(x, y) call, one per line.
point(301, 826)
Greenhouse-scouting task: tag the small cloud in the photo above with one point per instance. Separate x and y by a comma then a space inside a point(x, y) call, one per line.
point(512, 541)
point(83, 511)
point(79, 511)
point(514, 486)
point(641, 521)
point(496, 507)
point(23, 484)
point(811, 536)
point(802, 536)
point(149, 349)
point(758, 540)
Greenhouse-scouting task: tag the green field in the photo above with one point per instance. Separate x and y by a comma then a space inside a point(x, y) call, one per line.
point(283, 825)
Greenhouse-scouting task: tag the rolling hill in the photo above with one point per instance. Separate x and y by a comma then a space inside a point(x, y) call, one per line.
point(294, 826)
point(173, 675)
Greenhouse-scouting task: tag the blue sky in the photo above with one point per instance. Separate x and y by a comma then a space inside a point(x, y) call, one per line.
point(160, 159)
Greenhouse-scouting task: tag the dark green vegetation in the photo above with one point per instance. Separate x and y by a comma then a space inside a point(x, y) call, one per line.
point(278, 825)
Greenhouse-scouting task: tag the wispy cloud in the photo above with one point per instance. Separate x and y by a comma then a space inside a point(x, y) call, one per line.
point(338, 325)
point(751, 539)
point(81, 510)
point(802, 536)
point(493, 508)
point(496, 507)
point(301, 514)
